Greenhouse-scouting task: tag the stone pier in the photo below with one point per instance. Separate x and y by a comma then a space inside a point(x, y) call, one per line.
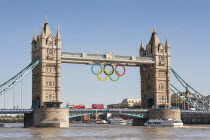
point(47, 117)
point(164, 114)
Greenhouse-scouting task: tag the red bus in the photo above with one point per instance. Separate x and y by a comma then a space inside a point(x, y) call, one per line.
point(79, 106)
point(98, 106)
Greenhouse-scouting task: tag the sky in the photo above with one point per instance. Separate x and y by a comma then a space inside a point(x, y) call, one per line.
point(95, 26)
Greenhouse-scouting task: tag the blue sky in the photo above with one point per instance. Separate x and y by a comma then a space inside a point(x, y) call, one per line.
point(101, 26)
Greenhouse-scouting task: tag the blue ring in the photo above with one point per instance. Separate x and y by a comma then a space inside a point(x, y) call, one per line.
point(95, 65)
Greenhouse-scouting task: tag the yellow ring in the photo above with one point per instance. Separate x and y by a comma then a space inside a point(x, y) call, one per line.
point(100, 77)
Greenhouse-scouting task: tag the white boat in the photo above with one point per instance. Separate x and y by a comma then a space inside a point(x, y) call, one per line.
point(117, 121)
point(130, 121)
point(166, 122)
point(101, 122)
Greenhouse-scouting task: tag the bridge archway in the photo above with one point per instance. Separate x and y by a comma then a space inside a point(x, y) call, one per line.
point(150, 103)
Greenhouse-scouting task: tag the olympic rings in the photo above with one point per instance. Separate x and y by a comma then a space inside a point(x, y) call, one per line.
point(118, 72)
point(99, 75)
point(111, 71)
point(95, 65)
point(111, 74)
point(108, 74)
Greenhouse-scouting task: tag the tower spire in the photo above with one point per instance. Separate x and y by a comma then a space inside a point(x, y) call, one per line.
point(42, 33)
point(58, 36)
point(154, 38)
point(46, 28)
point(141, 46)
point(167, 44)
point(34, 37)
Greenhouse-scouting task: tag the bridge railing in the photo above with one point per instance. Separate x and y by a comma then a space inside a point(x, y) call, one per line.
point(195, 111)
point(67, 57)
point(108, 110)
point(15, 111)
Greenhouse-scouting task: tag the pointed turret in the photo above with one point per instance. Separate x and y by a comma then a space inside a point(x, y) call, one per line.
point(141, 46)
point(142, 52)
point(34, 38)
point(58, 36)
point(42, 35)
point(154, 38)
point(46, 28)
point(167, 44)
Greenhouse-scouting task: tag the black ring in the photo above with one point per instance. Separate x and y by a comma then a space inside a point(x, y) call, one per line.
point(112, 69)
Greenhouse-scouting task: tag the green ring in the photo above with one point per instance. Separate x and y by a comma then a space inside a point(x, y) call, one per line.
point(111, 77)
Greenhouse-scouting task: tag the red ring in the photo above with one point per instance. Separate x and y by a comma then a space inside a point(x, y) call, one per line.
point(123, 68)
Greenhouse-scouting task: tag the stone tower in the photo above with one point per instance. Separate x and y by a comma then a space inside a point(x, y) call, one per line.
point(155, 78)
point(46, 76)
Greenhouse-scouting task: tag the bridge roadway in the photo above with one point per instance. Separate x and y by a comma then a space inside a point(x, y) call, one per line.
point(128, 112)
point(15, 111)
point(110, 58)
point(94, 111)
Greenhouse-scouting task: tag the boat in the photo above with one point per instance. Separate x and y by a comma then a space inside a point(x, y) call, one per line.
point(165, 122)
point(130, 121)
point(2, 125)
point(117, 121)
point(101, 122)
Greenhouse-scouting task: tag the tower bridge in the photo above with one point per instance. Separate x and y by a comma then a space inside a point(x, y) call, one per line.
point(154, 62)
point(155, 70)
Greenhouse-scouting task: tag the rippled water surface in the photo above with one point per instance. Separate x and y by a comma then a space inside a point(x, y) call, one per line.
point(112, 132)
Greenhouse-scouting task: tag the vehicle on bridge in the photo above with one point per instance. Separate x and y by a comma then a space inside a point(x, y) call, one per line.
point(69, 106)
point(98, 106)
point(75, 106)
point(79, 106)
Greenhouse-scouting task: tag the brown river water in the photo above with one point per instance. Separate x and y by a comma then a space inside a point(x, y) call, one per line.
point(106, 132)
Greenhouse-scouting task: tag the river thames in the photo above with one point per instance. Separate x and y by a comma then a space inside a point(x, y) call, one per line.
point(104, 132)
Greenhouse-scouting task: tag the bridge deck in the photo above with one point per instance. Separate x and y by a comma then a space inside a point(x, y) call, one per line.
point(107, 110)
point(83, 58)
point(15, 111)
point(23, 111)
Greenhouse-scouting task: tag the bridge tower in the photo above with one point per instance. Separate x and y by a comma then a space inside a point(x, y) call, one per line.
point(46, 82)
point(155, 78)
point(46, 76)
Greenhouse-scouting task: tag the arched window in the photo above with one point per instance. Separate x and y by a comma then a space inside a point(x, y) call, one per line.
point(50, 83)
point(50, 96)
point(161, 86)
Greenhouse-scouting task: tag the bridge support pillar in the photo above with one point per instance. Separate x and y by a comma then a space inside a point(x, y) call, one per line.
point(47, 117)
point(28, 120)
point(174, 114)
